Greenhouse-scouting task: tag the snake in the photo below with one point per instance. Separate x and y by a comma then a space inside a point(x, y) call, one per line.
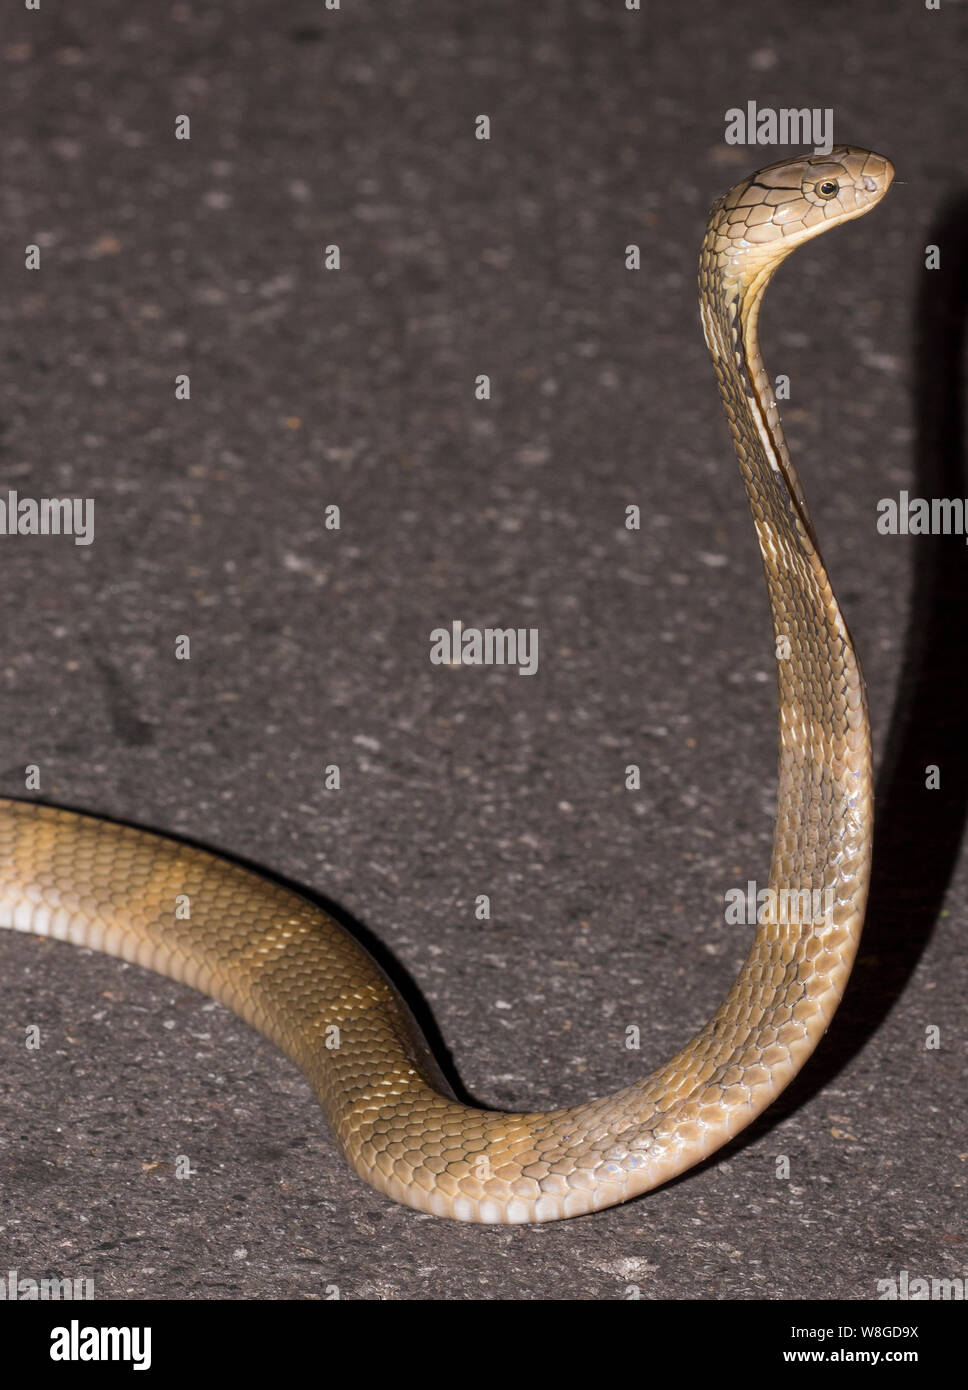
point(296, 974)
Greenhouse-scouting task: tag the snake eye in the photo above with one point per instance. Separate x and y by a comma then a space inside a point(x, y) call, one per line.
point(828, 189)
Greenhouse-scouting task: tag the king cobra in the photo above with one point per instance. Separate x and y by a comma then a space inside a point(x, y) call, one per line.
point(295, 974)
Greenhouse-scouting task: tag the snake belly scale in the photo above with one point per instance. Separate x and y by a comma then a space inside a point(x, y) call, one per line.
point(295, 974)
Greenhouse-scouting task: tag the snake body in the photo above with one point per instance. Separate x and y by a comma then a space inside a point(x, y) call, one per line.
point(295, 974)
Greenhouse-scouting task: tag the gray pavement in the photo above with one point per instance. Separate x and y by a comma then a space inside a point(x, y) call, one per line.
point(310, 646)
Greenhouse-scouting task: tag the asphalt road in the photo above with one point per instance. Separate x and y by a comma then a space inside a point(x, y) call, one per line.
point(311, 388)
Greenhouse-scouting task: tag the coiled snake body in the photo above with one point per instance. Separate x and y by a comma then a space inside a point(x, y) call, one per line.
point(296, 975)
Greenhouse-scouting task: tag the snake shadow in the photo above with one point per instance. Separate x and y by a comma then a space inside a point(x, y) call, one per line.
point(917, 833)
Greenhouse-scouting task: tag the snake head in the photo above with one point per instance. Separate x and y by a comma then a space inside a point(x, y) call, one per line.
point(760, 221)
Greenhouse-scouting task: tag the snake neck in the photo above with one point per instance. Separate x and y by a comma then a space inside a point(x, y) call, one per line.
point(820, 685)
point(730, 301)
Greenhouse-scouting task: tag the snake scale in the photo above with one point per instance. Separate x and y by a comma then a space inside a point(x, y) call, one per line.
point(295, 974)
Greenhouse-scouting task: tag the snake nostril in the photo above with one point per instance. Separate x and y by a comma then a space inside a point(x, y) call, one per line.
point(870, 184)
